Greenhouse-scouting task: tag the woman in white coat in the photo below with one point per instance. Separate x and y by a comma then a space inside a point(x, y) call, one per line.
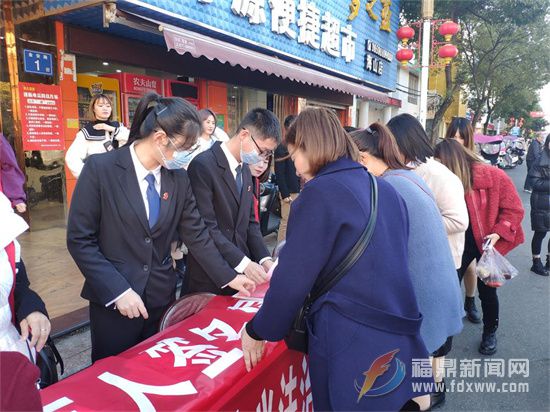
point(99, 136)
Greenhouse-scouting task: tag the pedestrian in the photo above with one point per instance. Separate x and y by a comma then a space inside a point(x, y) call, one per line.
point(287, 180)
point(414, 144)
point(495, 211)
point(12, 179)
point(372, 311)
point(128, 206)
point(260, 173)
point(533, 153)
point(22, 312)
point(431, 263)
point(222, 184)
point(101, 135)
point(461, 129)
point(539, 179)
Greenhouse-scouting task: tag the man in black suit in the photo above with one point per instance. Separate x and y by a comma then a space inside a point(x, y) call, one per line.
point(223, 189)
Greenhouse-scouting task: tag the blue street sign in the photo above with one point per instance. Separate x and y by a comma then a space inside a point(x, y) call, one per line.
point(38, 62)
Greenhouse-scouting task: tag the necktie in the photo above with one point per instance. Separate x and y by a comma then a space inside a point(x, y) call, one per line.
point(239, 178)
point(153, 199)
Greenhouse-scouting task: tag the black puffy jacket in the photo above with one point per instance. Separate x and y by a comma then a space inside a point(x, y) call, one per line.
point(540, 198)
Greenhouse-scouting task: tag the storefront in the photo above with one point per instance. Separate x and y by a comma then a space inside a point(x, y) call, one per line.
point(227, 55)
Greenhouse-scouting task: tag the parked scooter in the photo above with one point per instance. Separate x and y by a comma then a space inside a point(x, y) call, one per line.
point(491, 151)
point(270, 206)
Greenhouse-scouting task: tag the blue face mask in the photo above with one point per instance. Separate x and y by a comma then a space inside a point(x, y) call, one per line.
point(250, 158)
point(180, 159)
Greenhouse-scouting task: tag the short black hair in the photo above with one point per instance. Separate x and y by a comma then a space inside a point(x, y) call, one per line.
point(289, 120)
point(350, 129)
point(264, 122)
point(411, 138)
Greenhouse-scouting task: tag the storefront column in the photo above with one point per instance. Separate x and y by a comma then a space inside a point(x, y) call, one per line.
point(387, 113)
point(363, 121)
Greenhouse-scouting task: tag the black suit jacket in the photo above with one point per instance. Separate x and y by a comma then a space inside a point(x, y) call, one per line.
point(26, 300)
point(109, 238)
point(229, 217)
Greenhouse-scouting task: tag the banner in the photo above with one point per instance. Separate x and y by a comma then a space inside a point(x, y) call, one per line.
point(196, 364)
point(41, 116)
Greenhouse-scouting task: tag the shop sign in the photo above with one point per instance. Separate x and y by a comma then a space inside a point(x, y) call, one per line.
point(41, 116)
point(38, 62)
point(139, 84)
point(374, 56)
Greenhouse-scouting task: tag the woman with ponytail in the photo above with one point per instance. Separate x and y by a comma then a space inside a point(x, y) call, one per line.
point(127, 208)
point(430, 260)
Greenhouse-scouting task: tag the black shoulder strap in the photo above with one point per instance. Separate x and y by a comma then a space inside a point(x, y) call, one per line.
point(356, 252)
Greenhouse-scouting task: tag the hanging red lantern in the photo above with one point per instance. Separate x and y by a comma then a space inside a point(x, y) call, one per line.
point(405, 33)
point(404, 55)
point(448, 52)
point(448, 29)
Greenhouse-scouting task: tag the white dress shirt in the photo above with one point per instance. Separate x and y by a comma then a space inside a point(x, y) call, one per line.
point(141, 173)
point(233, 164)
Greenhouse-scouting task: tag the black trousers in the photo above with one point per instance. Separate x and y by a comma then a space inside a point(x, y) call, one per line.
point(113, 333)
point(536, 243)
point(487, 294)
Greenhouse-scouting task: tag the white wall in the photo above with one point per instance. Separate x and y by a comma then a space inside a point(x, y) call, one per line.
point(403, 76)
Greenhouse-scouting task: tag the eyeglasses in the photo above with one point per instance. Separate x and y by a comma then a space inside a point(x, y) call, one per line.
point(266, 154)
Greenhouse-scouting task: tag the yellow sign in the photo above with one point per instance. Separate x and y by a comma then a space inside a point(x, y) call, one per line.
point(354, 7)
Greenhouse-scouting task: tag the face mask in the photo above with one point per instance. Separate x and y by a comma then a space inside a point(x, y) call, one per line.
point(177, 161)
point(250, 158)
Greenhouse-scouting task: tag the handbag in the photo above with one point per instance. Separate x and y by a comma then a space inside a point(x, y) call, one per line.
point(47, 360)
point(297, 338)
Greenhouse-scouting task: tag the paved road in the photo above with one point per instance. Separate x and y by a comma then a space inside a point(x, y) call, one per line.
point(524, 333)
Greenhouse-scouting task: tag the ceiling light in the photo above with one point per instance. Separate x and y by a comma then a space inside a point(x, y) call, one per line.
point(118, 71)
point(105, 63)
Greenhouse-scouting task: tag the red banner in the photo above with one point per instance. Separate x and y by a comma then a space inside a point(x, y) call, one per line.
point(194, 365)
point(41, 116)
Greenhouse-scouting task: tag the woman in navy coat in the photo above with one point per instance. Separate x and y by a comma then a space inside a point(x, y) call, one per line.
point(364, 333)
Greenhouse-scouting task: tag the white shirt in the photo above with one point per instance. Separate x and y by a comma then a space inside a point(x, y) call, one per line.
point(233, 164)
point(141, 173)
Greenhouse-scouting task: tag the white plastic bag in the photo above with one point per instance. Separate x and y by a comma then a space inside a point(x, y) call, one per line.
point(493, 268)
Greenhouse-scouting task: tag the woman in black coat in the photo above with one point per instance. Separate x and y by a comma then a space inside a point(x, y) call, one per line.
point(539, 177)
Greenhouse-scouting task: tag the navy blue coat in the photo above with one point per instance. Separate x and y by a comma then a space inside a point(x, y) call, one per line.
point(370, 312)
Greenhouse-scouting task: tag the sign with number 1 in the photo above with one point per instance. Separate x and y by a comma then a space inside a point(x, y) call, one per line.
point(38, 62)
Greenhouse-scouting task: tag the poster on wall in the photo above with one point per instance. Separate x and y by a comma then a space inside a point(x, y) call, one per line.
point(41, 116)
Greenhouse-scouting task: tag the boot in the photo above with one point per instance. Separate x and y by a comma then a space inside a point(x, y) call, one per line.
point(538, 267)
point(488, 345)
point(471, 311)
point(438, 398)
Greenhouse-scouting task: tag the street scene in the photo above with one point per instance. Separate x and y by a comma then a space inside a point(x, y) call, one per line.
point(250, 205)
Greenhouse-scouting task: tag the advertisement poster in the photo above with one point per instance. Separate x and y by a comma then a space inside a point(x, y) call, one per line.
point(41, 116)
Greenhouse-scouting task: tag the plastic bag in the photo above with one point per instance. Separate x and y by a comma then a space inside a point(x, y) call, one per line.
point(493, 269)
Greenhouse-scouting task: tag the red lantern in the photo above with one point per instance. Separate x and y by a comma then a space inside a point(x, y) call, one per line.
point(404, 55)
point(448, 29)
point(447, 52)
point(405, 33)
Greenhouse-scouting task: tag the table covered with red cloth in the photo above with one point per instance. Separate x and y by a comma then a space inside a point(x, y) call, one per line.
point(196, 365)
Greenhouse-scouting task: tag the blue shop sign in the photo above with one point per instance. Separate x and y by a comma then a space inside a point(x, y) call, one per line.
point(38, 62)
point(327, 35)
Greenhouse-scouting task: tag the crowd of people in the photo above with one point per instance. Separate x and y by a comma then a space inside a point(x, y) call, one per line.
point(176, 182)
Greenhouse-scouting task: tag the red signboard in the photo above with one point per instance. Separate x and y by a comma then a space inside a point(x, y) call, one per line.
point(41, 116)
point(196, 365)
point(536, 115)
point(138, 83)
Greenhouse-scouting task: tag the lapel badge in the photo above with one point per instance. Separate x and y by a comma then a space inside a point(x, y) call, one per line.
point(249, 189)
point(165, 196)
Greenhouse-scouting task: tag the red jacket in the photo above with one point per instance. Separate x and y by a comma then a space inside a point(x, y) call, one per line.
point(494, 206)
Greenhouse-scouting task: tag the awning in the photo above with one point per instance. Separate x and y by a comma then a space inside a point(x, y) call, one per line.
point(185, 41)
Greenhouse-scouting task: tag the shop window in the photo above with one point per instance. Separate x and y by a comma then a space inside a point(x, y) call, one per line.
point(239, 101)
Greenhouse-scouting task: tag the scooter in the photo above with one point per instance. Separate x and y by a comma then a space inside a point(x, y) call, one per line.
point(270, 206)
